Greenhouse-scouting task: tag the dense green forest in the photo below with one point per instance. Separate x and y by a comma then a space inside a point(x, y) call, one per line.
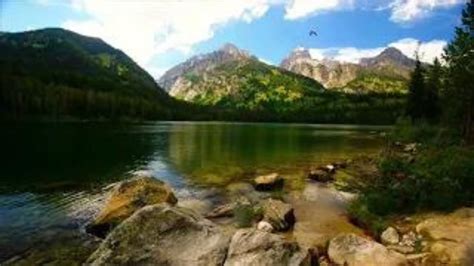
point(60, 73)
point(57, 73)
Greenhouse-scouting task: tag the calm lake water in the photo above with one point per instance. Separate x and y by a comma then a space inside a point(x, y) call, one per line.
point(52, 174)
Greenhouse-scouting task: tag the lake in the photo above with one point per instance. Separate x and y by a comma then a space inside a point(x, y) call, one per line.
point(52, 174)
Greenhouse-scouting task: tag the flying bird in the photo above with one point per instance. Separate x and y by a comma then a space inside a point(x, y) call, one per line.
point(313, 32)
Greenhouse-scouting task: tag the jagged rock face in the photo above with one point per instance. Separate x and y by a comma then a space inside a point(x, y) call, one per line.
point(389, 57)
point(335, 74)
point(199, 64)
point(328, 72)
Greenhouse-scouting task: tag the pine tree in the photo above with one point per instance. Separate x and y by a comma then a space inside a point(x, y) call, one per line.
point(416, 92)
point(459, 92)
point(433, 86)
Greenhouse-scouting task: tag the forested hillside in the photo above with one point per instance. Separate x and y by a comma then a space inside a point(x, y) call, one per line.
point(57, 72)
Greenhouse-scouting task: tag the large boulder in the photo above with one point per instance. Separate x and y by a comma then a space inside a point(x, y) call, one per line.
point(353, 250)
point(279, 214)
point(128, 197)
point(255, 247)
point(268, 182)
point(451, 237)
point(163, 235)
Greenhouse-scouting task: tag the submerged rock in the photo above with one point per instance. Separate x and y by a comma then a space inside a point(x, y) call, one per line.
point(62, 247)
point(320, 175)
point(163, 235)
point(268, 182)
point(452, 237)
point(128, 197)
point(200, 206)
point(239, 190)
point(279, 214)
point(254, 247)
point(350, 249)
point(320, 216)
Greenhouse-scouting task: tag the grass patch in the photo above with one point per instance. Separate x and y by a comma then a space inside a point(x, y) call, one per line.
point(245, 215)
point(438, 176)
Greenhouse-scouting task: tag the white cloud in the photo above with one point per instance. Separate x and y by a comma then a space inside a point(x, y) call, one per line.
point(427, 50)
point(157, 72)
point(296, 9)
point(402, 11)
point(268, 62)
point(155, 27)
point(409, 10)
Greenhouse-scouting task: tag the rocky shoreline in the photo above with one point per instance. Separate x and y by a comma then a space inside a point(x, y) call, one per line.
point(143, 223)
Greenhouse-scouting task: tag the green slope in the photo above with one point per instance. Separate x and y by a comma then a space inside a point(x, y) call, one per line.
point(61, 73)
point(248, 85)
point(377, 82)
point(252, 90)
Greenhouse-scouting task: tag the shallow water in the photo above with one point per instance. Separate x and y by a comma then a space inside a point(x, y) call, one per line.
point(52, 174)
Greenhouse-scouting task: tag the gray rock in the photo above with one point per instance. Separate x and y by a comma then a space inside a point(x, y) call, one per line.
point(226, 210)
point(163, 235)
point(352, 250)
point(279, 214)
point(390, 236)
point(402, 249)
point(268, 182)
point(254, 247)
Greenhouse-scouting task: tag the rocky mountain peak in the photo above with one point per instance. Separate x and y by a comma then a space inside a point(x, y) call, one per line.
point(297, 56)
point(202, 63)
point(335, 74)
point(390, 55)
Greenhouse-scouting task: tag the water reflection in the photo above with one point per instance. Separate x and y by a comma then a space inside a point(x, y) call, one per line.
point(216, 154)
point(52, 173)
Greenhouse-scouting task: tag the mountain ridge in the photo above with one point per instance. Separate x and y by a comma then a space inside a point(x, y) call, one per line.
point(391, 64)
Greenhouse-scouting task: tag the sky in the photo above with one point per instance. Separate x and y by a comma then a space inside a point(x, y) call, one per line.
point(162, 33)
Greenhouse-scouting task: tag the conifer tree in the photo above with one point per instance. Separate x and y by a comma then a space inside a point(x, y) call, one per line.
point(433, 86)
point(416, 92)
point(459, 91)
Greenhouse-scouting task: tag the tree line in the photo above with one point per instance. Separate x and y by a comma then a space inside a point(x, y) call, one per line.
point(444, 92)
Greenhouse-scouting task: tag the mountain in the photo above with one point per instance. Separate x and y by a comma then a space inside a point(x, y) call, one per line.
point(232, 78)
point(237, 86)
point(330, 73)
point(387, 72)
point(390, 57)
point(58, 72)
point(201, 64)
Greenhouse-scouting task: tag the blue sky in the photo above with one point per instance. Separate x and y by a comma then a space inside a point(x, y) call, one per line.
point(160, 34)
